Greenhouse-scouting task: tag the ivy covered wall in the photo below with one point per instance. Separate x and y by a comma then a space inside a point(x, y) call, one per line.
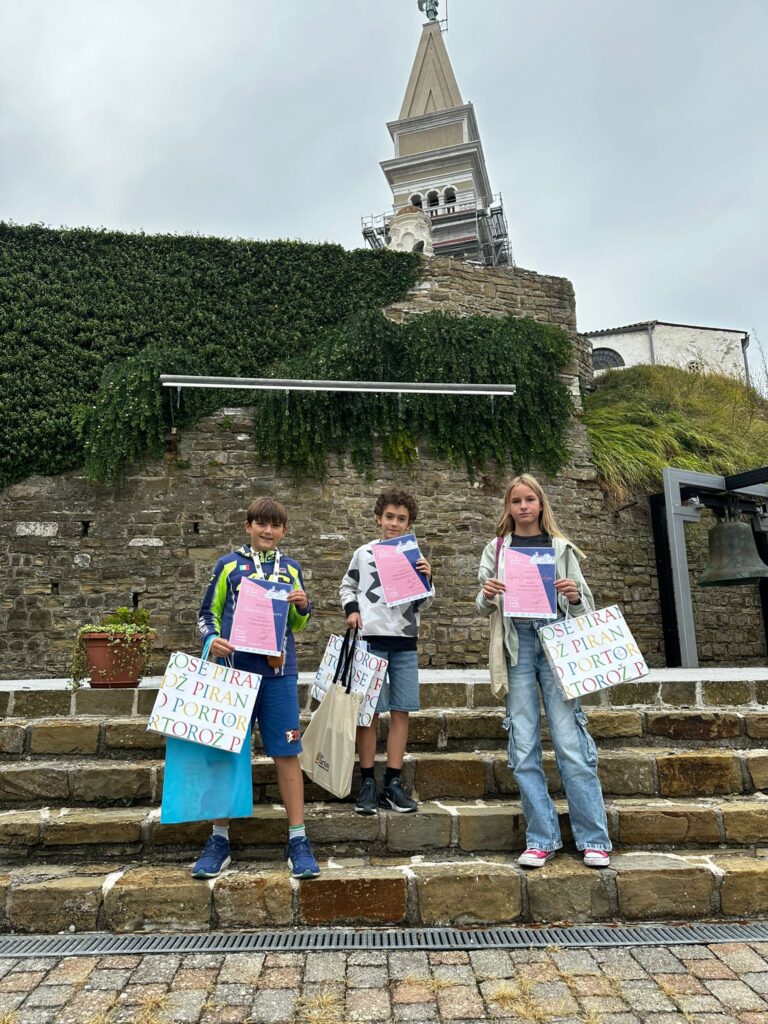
point(89, 319)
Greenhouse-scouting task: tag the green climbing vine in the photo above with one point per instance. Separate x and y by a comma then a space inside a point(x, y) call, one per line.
point(90, 319)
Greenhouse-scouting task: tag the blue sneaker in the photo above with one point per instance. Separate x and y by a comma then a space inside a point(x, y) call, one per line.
point(214, 858)
point(301, 860)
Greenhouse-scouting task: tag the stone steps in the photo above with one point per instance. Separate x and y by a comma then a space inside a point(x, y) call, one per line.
point(700, 688)
point(482, 774)
point(461, 891)
point(436, 729)
point(67, 834)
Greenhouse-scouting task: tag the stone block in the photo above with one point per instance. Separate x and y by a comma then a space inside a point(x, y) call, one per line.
point(757, 766)
point(145, 700)
point(744, 892)
point(268, 827)
point(564, 890)
point(468, 894)
point(424, 729)
point(185, 833)
point(340, 825)
point(757, 725)
point(746, 822)
point(131, 734)
point(476, 725)
point(33, 782)
point(633, 693)
point(459, 776)
point(158, 899)
point(443, 695)
point(104, 702)
point(56, 904)
point(694, 725)
point(725, 693)
point(111, 783)
point(5, 699)
point(11, 738)
point(678, 694)
point(358, 896)
point(41, 703)
point(64, 736)
point(492, 827)
point(503, 780)
point(612, 724)
point(429, 829)
point(83, 826)
point(483, 696)
point(626, 772)
point(660, 886)
point(250, 899)
point(19, 828)
point(642, 825)
point(698, 773)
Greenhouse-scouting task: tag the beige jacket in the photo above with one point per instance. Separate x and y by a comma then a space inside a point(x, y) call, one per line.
point(504, 642)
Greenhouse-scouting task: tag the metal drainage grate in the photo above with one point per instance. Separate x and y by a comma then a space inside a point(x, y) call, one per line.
point(103, 944)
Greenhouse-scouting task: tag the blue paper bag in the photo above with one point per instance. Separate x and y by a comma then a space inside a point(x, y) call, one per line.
point(203, 783)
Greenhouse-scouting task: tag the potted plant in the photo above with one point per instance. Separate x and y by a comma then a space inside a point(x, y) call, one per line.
point(115, 653)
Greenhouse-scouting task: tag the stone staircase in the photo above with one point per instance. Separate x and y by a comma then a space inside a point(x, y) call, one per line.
point(683, 763)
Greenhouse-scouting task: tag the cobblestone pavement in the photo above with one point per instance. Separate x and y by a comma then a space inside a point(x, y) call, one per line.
point(663, 985)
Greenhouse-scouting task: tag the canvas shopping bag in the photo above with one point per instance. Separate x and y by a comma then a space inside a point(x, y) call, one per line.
point(367, 675)
point(591, 652)
point(203, 782)
point(328, 743)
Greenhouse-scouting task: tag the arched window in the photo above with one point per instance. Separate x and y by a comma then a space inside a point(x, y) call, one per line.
point(433, 201)
point(416, 200)
point(606, 359)
point(449, 198)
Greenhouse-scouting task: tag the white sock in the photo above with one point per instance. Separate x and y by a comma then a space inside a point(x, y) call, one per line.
point(221, 830)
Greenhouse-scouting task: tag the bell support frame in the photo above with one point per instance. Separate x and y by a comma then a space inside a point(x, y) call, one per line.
point(685, 494)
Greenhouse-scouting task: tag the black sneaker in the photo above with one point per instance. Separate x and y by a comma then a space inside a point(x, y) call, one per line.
point(366, 798)
point(394, 798)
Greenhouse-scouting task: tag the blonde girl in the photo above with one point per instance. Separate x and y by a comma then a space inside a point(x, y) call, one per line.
point(520, 671)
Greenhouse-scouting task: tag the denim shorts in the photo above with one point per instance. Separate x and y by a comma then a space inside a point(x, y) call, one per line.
point(277, 712)
point(400, 689)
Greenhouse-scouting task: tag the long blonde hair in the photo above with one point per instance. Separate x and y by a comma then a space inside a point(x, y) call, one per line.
point(547, 521)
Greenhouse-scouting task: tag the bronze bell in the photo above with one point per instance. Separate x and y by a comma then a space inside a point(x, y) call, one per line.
point(733, 557)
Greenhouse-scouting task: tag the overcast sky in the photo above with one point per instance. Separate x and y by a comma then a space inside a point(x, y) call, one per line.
point(629, 140)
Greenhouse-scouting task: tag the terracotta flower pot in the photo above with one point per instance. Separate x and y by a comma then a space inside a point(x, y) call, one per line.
point(114, 662)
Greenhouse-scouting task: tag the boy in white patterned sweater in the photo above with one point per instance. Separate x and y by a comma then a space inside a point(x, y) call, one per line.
point(391, 633)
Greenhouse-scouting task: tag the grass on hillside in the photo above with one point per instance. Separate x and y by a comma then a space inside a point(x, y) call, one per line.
point(644, 418)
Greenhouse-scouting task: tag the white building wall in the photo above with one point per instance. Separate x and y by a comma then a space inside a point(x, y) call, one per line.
point(678, 345)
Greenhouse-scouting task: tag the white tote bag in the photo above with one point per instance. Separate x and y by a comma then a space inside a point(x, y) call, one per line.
point(368, 672)
point(590, 652)
point(328, 744)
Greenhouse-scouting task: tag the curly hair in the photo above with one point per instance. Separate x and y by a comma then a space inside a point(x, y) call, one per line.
point(396, 497)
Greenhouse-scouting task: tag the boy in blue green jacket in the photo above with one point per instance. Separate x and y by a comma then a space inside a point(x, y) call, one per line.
point(277, 702)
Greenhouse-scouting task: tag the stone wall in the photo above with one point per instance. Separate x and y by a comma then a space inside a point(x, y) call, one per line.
point(71, 551)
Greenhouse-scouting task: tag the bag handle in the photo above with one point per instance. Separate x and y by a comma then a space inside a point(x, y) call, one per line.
point(343, 673)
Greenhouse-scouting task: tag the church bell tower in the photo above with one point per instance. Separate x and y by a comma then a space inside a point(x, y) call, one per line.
point(438, 164)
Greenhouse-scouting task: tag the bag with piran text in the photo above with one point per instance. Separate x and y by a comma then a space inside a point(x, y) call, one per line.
point(368, 672)
point(591, 652)
point(328, 744)
point(208, 771)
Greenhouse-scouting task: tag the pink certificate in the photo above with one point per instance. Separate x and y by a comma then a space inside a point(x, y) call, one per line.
point(396, 563)
point(261, 617)
point(529, 583)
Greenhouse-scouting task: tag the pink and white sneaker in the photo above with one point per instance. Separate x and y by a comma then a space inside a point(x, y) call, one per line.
point(533, 858)
point(596, 859)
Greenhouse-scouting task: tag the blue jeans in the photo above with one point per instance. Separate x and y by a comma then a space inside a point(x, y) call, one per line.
point(575, 752)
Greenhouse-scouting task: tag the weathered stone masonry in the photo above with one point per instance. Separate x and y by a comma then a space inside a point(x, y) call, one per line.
point(71, 551)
